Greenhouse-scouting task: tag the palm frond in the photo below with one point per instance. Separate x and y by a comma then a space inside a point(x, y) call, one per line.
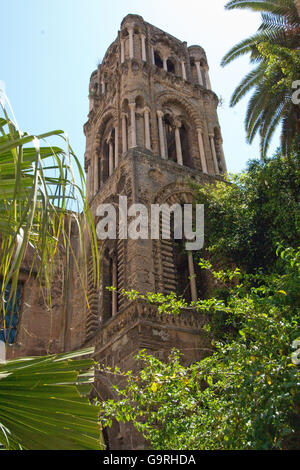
point(41, 407)
point(278, 34)
point(39, 199)
point(247, 83)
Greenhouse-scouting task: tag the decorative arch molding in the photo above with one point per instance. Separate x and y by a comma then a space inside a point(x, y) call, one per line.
point(110, 53)
point(133, 20)
point(108, 115)
point(178, 192)
point(167, 98)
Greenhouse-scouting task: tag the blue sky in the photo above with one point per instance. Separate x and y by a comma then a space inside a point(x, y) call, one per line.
point(51, 47)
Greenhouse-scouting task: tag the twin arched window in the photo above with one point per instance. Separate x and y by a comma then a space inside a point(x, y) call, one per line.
point(175, 139)
point(108, 157)
point(168, 65)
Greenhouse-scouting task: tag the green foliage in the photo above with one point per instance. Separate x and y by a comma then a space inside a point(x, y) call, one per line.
point(40, 405)
point(245, 395)
point(274, 50)
point(37, 193)
point(280, 60)
point(247, 219)
point(43, 404)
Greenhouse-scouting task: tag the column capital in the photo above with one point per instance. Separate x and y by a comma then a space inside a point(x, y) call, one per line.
point(132, 105)
point(177, 123)
point(199, 129)
point(147, 109)
point(160, 113)
point(211, 134)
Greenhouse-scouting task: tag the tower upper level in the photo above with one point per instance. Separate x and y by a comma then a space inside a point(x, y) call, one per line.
point(153, 92)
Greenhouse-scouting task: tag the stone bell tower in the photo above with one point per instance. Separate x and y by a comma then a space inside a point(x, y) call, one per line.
point(152, 128)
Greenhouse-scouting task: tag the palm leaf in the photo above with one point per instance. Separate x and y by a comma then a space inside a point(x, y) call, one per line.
point(280, 30)
point(41, 407)
point(39, 199)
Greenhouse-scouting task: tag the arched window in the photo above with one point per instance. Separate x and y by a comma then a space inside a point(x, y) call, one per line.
point(180, 259)
point(125, 114)
point(170, 66)
point(137, 43)
point(193, 71)
point(177, 140)
point(104, 167)
point(186, 153)
point(125, 38)
point(108, 158)
point(170, 138)
point(203, 74)
point(109, 279)
point(140, 123)
point(94, 90)
point(158, 60)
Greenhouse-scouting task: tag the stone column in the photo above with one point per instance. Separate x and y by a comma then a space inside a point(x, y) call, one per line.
point(165, 64)
point(116, 145)
point(102, 87)
point(131, 50)
point(111, 157)
point(147, 128)
point(152, 55)
point(214, 153)
point(160, 115)
point(178, 143)
point(143, 39)
point(183, 70)
point(124, 133)
point(193, 284)
point(96, 174)
point(122, 51)
point(202, 151)
point(207, 78)
point(132, 107)
point(198, 67)
point(115, 285)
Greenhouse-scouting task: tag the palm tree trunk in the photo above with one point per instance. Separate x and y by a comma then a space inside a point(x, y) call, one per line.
point(297, 3)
